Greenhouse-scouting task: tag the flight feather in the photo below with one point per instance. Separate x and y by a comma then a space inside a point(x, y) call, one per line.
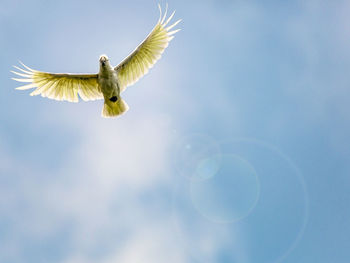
point(59, 86)
point(137, 64)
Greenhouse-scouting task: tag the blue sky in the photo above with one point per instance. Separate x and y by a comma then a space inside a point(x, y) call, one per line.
point(235, 147)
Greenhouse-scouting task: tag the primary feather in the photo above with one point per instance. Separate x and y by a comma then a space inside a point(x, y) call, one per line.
point(137, 64)
point(59, 86)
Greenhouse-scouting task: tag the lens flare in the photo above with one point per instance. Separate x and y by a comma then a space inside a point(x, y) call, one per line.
point(248, 203)
point(192, 155)
point(230, 194)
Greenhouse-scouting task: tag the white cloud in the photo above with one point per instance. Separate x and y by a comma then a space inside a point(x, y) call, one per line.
point(97, 188)
point(155, 244)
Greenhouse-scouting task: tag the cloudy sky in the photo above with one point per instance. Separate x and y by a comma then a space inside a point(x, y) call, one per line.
point(235, 148)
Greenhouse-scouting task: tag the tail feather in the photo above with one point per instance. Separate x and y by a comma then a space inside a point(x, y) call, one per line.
point(113, 109)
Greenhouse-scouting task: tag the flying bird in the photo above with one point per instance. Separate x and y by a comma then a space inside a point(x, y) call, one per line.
point(109, 82)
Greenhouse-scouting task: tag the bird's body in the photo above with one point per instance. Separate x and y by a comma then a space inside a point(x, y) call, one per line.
point(109, 85)
point(109, 82)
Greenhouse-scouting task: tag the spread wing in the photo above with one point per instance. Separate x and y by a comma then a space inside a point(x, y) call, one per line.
point(137, 64)
point(59, 86)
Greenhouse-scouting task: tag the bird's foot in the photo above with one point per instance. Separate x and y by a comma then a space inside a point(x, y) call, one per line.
point(113, 99)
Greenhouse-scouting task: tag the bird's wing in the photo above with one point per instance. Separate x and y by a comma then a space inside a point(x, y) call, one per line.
point(56, 86)
point(137, 64)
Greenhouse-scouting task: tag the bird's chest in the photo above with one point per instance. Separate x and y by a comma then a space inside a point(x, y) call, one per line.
point(108, 84)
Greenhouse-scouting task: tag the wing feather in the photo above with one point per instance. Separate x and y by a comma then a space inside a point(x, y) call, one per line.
point(138, 63)
point(59, 86)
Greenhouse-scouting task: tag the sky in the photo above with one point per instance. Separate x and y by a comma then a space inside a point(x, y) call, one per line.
point(235, 148)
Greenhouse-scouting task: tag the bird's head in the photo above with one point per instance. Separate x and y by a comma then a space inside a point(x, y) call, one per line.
point(103, 60)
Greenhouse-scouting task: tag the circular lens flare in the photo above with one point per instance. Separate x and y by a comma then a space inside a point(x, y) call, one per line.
point(247, 203)
point(230, 194)
point(191, 157)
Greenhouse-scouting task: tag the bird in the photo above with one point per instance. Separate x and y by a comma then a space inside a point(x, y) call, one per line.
point(109, 82)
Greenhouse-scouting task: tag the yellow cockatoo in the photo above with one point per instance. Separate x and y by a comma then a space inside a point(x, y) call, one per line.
point(110, 81)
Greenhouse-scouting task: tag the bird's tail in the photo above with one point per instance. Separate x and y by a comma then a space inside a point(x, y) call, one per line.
point(113, 109)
